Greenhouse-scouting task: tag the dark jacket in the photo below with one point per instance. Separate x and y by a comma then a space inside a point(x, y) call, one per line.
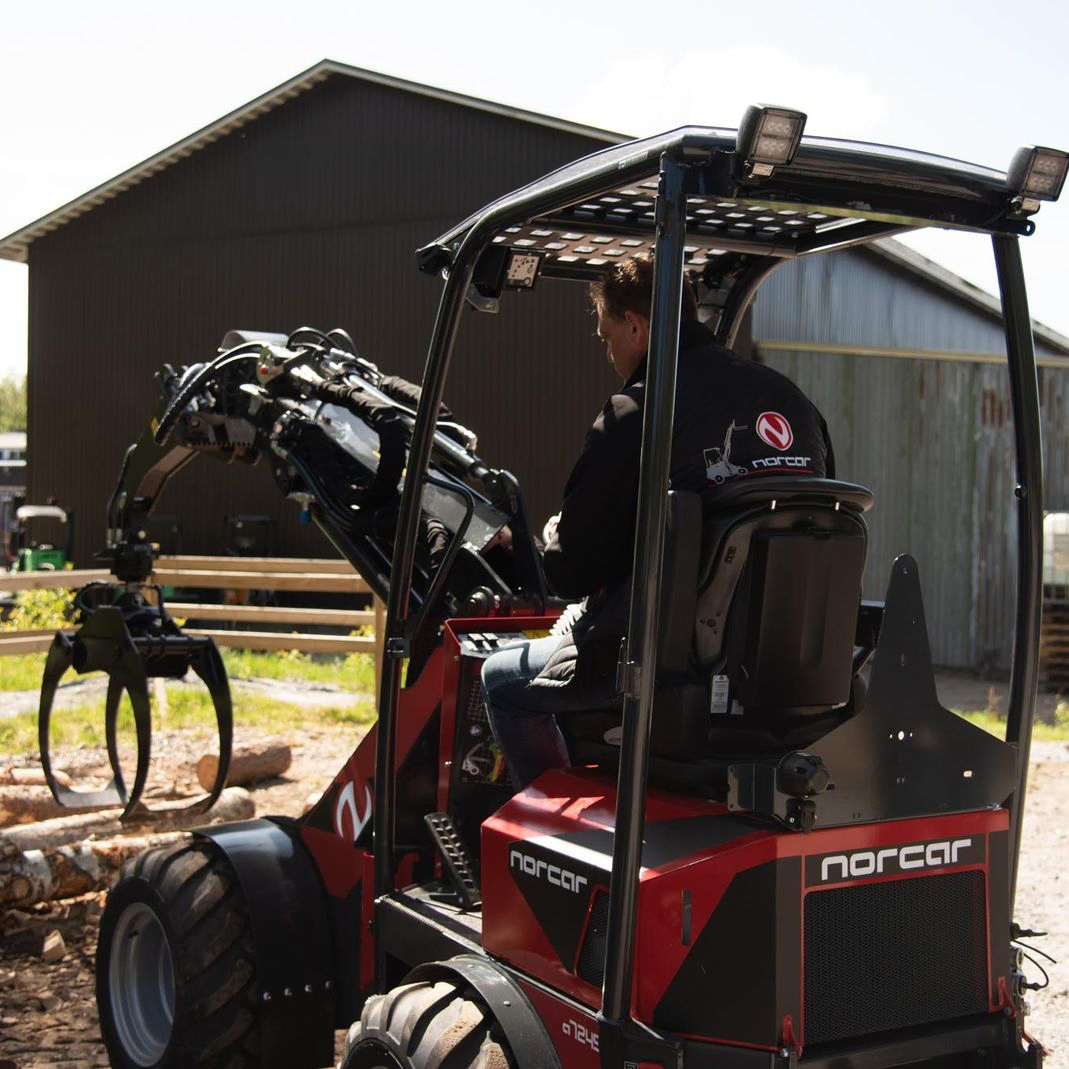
point(734, 419)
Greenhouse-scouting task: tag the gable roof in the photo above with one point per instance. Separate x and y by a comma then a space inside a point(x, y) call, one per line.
point(16, 246)
point(943, 278)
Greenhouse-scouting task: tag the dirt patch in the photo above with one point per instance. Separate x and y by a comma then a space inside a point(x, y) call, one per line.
point(1042, 891)
point(48, 1008)
point(48, 1014)
point(970, 693)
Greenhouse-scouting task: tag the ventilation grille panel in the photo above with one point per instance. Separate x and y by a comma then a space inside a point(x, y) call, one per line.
point(894, 954)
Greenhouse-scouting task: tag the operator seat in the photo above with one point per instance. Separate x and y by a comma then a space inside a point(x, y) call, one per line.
point(760, 596)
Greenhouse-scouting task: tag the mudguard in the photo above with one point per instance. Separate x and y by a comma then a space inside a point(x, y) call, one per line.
point(294, 960)
point(524, 1030)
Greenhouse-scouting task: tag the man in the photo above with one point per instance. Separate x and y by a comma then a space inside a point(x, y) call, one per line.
point(733, 419)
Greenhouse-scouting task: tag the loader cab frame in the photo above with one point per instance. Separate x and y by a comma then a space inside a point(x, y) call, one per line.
point(727, 208)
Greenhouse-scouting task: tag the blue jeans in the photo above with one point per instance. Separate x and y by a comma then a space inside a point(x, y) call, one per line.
point(524, 717)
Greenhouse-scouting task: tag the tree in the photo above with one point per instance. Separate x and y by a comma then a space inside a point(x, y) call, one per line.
point(12, 404)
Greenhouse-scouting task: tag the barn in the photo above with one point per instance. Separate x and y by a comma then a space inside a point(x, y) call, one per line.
point(305, 207)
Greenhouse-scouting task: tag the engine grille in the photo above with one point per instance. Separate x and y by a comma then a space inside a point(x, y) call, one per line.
point(893, 954)
point(591, 967)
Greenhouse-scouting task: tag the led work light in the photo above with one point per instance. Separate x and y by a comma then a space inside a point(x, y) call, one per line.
point(1037, 173)
point(768, 137)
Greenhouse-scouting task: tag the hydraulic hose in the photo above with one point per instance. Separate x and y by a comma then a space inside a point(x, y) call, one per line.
point(245, 351)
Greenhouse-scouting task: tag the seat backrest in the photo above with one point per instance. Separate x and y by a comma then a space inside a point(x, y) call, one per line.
point(760, 614)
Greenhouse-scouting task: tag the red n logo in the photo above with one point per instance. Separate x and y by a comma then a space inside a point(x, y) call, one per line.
point(774, 430)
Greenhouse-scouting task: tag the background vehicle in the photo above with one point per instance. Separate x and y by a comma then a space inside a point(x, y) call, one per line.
point(41, 537)
point(777, 865)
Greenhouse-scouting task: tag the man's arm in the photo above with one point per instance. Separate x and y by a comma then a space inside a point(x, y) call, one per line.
point(594, 540)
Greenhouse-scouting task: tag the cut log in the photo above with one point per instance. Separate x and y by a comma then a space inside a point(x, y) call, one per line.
point(248, 764)
point(46, 875)
point(31, 777)
point(19, 805)
point(233, 804)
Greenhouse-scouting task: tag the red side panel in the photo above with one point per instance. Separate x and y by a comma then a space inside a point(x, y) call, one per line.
point(726, 905)
point(336, 821)
point(546, 862)
point(573, 1029)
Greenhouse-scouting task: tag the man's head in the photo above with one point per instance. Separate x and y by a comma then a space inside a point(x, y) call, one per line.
point(622, 300)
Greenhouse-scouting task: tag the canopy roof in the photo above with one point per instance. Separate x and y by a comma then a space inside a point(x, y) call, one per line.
point(835, 193)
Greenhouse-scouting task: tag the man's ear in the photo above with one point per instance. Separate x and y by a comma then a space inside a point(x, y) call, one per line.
point(640, 326)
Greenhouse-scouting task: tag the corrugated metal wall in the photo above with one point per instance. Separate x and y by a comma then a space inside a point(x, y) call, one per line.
point(932, 438)
point(310, 214)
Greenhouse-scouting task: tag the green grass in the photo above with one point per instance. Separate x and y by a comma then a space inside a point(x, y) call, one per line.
point(996, 725)
point(189, 709)
point(22, 672)
point(356, 672)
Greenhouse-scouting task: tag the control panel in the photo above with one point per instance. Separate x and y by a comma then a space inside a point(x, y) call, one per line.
point(478, 779)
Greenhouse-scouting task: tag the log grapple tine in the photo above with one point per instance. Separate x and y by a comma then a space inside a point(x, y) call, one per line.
point(111, 716)
point(208, 665)
point(129, 674)
point(130, 639)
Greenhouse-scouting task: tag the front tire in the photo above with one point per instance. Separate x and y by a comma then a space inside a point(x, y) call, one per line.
point(442, 1025)
point(175, 965)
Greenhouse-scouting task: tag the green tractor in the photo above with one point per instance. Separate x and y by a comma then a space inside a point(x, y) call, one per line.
point(29, 551)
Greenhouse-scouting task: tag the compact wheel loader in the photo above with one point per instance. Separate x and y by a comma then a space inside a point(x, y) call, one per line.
point(783, 853)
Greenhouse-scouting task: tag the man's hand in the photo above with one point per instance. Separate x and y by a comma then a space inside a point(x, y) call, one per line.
point(549, 532)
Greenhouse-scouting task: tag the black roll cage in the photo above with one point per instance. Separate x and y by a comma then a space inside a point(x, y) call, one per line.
point(687, 193)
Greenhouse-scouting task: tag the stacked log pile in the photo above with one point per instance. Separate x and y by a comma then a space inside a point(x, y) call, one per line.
point(49, 853)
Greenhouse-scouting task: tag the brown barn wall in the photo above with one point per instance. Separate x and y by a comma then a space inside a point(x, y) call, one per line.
point(310, 214)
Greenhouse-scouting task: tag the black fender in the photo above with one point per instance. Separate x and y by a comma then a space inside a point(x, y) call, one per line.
point(294, 959)
point(526, 1034)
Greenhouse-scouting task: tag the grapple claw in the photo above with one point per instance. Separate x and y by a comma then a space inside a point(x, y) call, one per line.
point(131, 640)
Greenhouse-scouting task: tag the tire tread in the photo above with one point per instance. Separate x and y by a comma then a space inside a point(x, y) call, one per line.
point(431, 1025)
point(194, 890)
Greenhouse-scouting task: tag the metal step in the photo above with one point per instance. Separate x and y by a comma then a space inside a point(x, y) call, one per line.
point(455, 858)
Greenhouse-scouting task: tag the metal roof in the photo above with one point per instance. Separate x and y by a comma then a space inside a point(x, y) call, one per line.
point(914, 262)
point(16, 246)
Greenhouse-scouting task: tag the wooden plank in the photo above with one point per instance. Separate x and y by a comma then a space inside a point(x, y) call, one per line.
point(71, 580)
point(275, 640)
point(255, 564)
point(15, 643)
point(238, 580)
point(193, 610)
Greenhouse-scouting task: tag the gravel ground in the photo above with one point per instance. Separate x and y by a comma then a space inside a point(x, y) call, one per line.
point(48, 1010)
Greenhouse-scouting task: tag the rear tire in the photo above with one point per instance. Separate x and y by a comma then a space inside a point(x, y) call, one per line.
point(442, 1025)
point(175, 965)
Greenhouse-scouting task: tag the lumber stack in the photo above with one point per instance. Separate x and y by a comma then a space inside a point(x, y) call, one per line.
point(1054, 641)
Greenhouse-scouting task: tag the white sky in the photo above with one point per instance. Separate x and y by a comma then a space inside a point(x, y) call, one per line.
point(89, 90)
